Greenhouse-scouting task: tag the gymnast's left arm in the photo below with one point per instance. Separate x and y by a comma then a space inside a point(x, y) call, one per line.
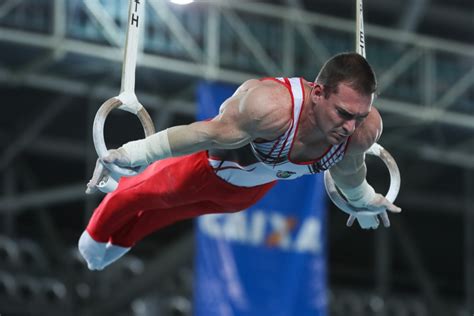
point(350, 177)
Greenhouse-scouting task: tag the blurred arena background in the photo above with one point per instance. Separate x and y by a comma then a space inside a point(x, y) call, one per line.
point(60, 59)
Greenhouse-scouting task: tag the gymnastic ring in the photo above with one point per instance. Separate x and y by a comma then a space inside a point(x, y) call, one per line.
point(98, 131)
point(338, 199)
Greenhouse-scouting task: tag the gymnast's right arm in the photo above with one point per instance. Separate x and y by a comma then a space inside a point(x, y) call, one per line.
point(250, 113)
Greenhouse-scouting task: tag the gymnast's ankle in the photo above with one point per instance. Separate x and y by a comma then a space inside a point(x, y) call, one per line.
point(92, 251)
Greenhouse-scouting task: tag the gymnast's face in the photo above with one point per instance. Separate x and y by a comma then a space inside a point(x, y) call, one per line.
point(338, 115)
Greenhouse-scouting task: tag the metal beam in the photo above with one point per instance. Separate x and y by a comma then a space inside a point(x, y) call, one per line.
point(52, 242)
point(32, 131)
point(431, 111)
point(288, 63)
point(402, 64)
point(58, 147)
point(10, 187)
point(177, 29)
point(42, 198)
point(427, 77)
point(71, 149)
point(35, 65)
point(451, 157)
point(7, 6)
point(80, 88)
point(212, 38)
point(456, 90)
point(318, 49)
point(425, 114)
point(114, 54)
point(59, 20)
point(252, 44)
point(101, 16)
point(412, 15)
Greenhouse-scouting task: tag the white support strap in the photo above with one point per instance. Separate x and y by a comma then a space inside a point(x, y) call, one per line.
point(135, 22)
point(130, 102)
point(360, 35)
point(143, 152)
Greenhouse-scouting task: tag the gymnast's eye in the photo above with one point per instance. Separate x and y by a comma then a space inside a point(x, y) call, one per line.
point(345, 115)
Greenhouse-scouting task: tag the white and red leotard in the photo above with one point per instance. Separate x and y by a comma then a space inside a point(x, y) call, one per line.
point(265, 161)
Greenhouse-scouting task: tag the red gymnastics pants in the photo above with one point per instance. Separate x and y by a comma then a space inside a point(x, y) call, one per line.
point(167, 191)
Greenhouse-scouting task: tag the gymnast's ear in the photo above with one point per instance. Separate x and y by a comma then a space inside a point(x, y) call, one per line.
point(317, 92)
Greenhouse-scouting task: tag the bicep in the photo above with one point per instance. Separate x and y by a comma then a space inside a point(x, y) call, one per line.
point(231, 128)
point(265, 111)
point(224, 133)
point(257, 111)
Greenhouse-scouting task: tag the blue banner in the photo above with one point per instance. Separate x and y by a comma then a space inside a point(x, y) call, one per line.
point(269, 259)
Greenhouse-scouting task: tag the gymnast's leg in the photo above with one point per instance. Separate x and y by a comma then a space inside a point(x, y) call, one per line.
point(167, 191)
point(157, 187)
point(147, 222)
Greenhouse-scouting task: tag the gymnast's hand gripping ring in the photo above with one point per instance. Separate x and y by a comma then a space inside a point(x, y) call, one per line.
point(337, 198)
point(127, 102)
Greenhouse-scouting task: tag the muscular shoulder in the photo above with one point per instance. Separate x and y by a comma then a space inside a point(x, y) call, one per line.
point(259, 109)
point(266, 106)
point(366, 134)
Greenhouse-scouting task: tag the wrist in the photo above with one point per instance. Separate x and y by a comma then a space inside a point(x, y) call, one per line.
point(145, 151)
point(359, 196)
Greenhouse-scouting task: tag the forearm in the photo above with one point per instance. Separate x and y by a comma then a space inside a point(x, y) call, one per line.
point(182, 140)
point(350, 179)
point(174, 141)
point(349, 174)
point(187, 139)
point(145, 151)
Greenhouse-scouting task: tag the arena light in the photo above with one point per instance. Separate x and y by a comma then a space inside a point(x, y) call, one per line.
point(181, 2)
